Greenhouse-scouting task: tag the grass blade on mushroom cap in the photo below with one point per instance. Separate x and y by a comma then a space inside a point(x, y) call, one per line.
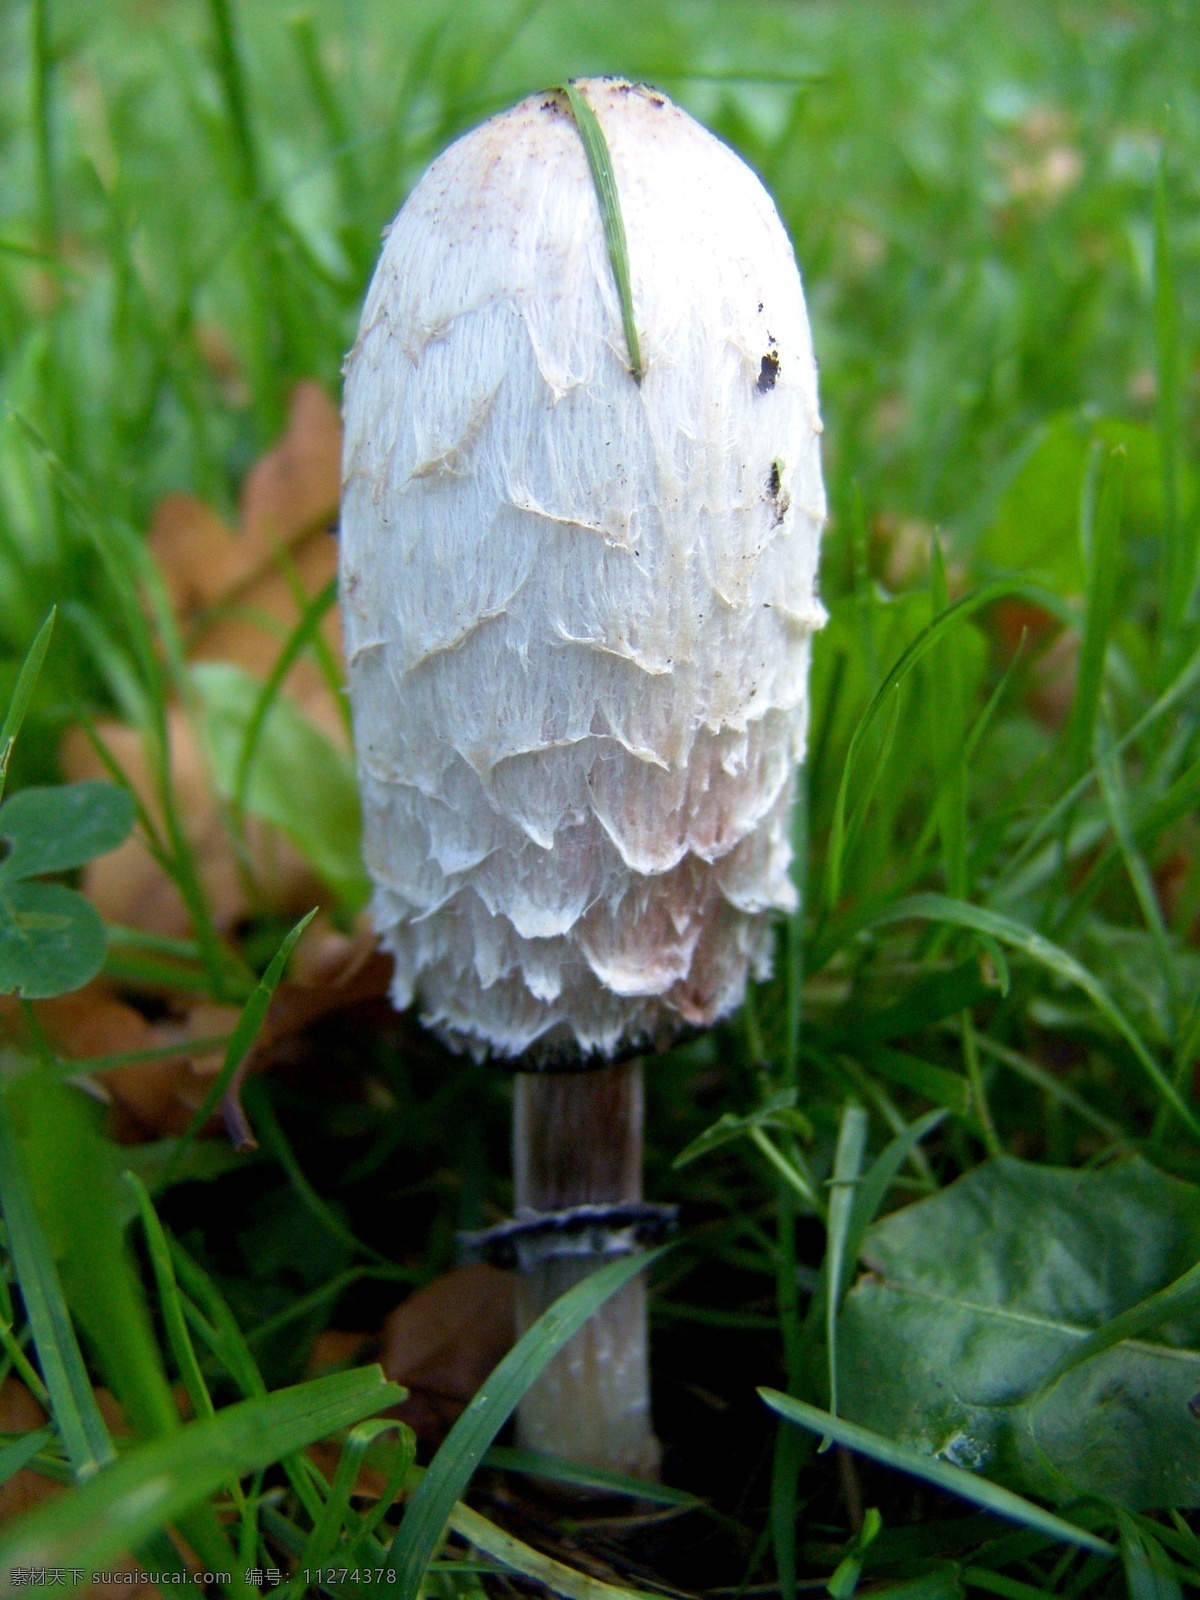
point(600, 163)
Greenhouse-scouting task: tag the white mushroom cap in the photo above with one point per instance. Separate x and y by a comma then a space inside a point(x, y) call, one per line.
point(578, 609)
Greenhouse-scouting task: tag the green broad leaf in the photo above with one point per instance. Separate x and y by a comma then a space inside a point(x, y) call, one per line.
point(944, 1475)
point(958, 1342)
point(1035, 525)
point(299, 781)
point(54, 829)
point(51, 939)
point(430, 1508)
point(152, 1484)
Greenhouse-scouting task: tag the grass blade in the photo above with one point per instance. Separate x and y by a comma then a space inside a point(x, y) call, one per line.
point(1103, 558)
point(20, 1452)
point(1178, 1299)
point(398, 1474)
point(1116, 801)
point(796, 1181)
point(1175, 565)
point(154, 1483)
point(323, 1539)
point(23, 692)
point(897, 672)
point(1149, 1571)
point(533, 1464)
point(301, 636)
point(847, 1165)
point(531, 1563)
point(76, 1414)
point(169, 1301)
point(1057, 1090)
point(940, 908)
point(859, 815)
point(1049, 820)
point(464, 1448)
point(274, 1141)
point(947, 724)
point(609, 201)
point(244, 1034)
point(944, 1088)
point(942, 1474)
point(872, 1188)
point(219, 1326)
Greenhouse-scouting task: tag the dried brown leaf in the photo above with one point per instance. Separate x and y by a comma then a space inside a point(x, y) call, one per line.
point(157, 1099)
point(130, 888)
point(237, 596)
point(443, 1342)
point(20, 1413)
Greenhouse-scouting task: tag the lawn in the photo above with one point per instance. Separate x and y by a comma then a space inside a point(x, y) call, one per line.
point(939, 1179)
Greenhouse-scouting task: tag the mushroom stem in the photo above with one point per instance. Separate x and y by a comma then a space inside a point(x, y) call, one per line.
point(577, 1141)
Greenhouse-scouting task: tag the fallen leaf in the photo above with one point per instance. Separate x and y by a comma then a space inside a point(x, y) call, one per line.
point(1052, 655)
point(338, 1348)
point(20, 1413)
point(237, 597)
point(234, 594)
point(129, 887)
point(444, 1341)
point(158, 1099)
point(148, 1099)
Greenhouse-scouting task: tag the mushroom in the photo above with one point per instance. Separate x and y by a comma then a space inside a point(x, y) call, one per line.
point(581, 512)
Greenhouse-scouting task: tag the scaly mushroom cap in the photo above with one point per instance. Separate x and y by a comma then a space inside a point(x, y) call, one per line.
point(578, 610)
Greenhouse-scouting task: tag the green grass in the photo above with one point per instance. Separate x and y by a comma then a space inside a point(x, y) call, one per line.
point(994, 209)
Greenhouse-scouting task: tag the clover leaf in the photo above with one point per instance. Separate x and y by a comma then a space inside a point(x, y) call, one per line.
point(52, 939)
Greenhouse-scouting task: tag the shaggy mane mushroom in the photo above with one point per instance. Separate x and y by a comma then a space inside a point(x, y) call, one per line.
point(582, 508)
